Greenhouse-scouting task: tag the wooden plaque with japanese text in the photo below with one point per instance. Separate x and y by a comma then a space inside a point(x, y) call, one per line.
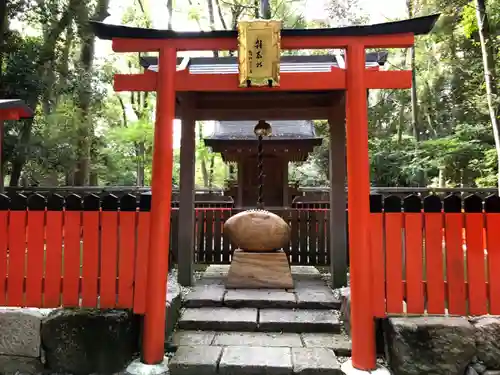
point(259, 53)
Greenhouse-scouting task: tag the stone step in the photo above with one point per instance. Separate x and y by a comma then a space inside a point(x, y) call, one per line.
point(307, 294)
point(264, 320)
point(339, 343)
point(252, 360)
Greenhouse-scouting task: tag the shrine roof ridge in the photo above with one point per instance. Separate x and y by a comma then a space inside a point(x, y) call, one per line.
point(416, 26)
point(281, 130)
point(17, 104)
point(204, 63)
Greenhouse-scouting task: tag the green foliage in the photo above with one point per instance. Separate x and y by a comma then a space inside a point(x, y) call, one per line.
point(454, 134)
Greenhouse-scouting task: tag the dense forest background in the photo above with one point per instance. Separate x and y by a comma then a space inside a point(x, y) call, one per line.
point(441, 133)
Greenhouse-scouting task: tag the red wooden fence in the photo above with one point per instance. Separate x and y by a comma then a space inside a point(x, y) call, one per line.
point(433, 256)
point(73, 252)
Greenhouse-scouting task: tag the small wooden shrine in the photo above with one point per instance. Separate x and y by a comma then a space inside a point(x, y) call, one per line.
point(10, 109)
point(290, 141)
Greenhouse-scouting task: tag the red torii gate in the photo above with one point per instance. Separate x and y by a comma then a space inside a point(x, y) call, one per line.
point(355, 79)
point(10, 109)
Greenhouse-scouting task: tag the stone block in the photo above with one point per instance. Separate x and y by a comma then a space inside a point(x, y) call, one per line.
point(247, 360)
point(205, 296)
point(20, 331)
point(298, 320)
point(218, 319)
point(11, 365)
point(265, 339)
point(260, 298)
point(195, 360)
point(312, 361)
point(193, 338)
point(85, 341)
point(251, 270)
point(316, 297)
point(488, 340)
point(345, 317)
point(430, 345)
point(339, 343)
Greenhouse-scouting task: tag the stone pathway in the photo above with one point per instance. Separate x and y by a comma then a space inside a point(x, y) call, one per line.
point(249, 332)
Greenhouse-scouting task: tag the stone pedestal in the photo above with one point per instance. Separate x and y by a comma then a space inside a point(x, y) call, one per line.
point(253, 270)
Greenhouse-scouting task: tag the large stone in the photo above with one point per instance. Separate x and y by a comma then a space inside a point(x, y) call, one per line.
point(312, 361)
point(257, 230)
point(20, 331)
point(218, 319)
point(298, 320)
point(260, 298)
point(247, 360)
point(488, 340)
point(84, 341)
point(259, 270)
point(266, 339)
point(430, 345)
point(195, 360)
point(10, 365)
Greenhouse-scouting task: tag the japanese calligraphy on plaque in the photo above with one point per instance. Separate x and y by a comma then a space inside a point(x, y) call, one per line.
point(259, 53)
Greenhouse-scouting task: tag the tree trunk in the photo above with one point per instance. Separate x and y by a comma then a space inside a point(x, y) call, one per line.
point(265, 9)
point(203, 162)
point(4, 23)
point(170, 10)
point(85, 131)
point(211, 20)
point(47, 54)
point(414, 100)
point(489, 74)
point(221, 15)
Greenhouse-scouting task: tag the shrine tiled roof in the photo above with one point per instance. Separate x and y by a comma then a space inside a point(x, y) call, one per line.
point(281, 130)
point(16, 104)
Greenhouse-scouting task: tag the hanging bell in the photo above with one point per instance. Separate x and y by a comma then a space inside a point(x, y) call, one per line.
point(262, 129)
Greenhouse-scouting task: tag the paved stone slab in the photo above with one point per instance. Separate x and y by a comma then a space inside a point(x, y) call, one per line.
point(192, 338)
point(216, 270)
point(218, 319)
point(205, 295)
point(259, 298)
point(12, 365)
point(20, 333)
point(305, 272)
point(341, 344)
point(312, 361)
point(266, 339)
point(315, 297)
point(298, 320)
point(195, 360)
point(245, 360)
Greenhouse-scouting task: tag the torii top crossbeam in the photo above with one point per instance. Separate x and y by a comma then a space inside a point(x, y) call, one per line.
point(353, 79)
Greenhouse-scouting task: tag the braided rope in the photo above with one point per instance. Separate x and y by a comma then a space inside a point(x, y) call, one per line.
point(260, 166)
